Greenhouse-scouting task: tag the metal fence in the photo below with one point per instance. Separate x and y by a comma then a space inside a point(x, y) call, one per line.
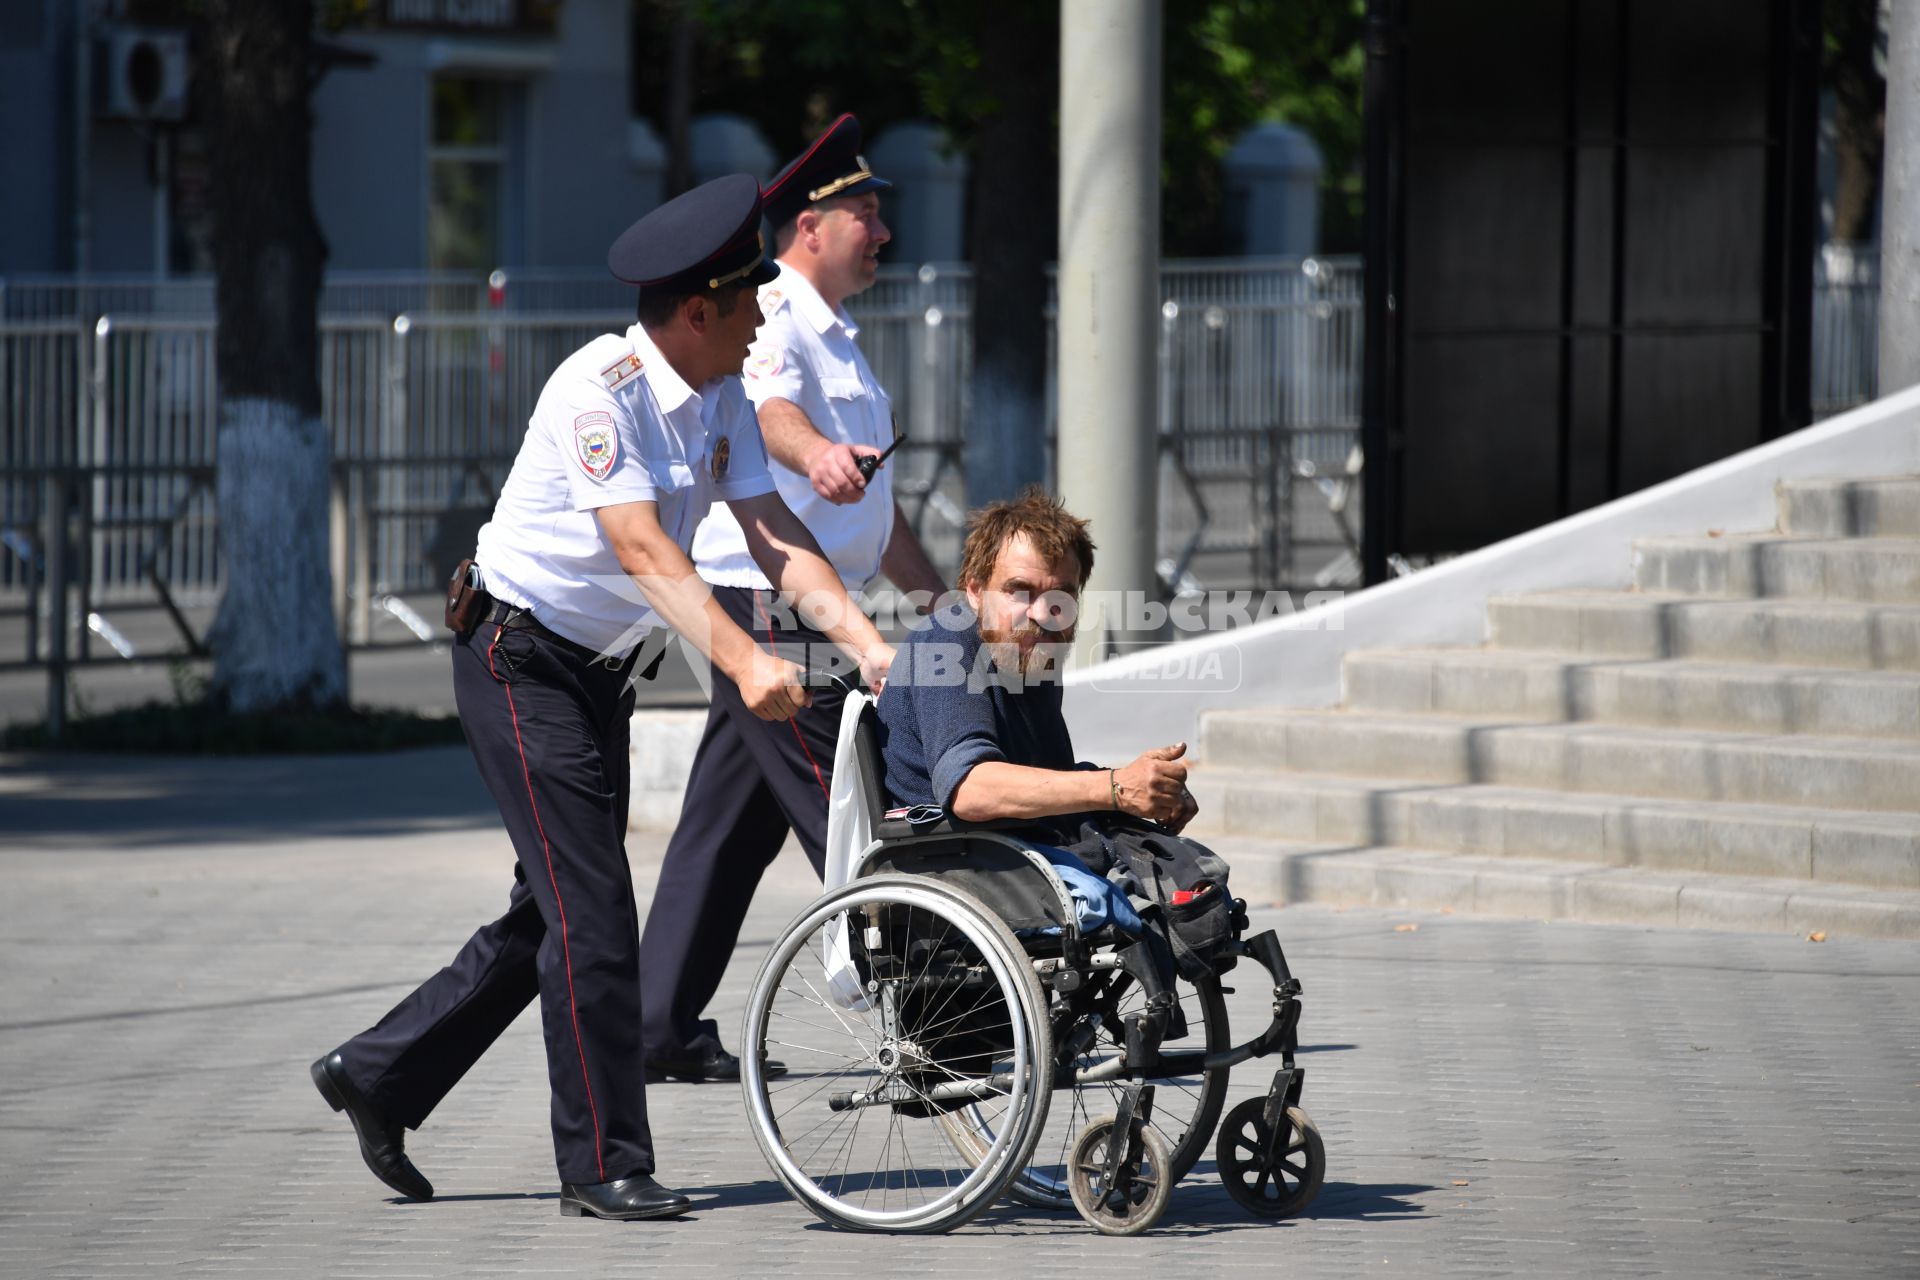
point(109, 406)
point(1846, 328)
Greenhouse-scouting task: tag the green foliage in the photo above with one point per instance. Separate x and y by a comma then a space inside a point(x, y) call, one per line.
point(1233, 63)
point(793, 65)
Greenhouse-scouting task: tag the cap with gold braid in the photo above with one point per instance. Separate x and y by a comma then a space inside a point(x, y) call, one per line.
point(832, 166)
point(704, 239)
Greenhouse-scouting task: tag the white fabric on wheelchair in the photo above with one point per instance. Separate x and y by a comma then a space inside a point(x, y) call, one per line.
point(849, 832)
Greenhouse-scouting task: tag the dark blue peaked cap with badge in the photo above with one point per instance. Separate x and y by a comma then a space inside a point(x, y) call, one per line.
point(832, 166)
point(703, 239)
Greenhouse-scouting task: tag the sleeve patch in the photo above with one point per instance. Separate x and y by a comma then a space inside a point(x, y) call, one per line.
point(596, 444)
point(766, 364)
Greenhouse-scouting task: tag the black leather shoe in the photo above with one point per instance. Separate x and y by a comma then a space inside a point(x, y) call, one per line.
point(382, 1142)
point(624, 1199)
point(718, 1065)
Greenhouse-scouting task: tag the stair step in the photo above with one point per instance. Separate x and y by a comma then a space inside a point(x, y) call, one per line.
point(1738, 565)
point(1836, 772)
point(1631, 624)
point(1829, 846)
point(1429, 879)
point(1888, 507)
point(1680, 692)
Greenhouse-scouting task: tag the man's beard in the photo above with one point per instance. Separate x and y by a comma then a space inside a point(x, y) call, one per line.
point(1049, 655)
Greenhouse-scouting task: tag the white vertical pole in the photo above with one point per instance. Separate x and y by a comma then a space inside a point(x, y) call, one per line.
point(1110, 292)
point(1900, 204)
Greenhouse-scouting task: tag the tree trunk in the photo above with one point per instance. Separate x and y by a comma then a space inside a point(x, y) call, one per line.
point(680, 101)
point(1012, 240)
point(274, 639)
point(1859, 106)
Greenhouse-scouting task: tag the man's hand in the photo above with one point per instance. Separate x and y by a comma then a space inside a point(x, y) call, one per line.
point(1189, 808)
point(1154, 786)
point(835, 473)
point(874, 664)
point(773, 688)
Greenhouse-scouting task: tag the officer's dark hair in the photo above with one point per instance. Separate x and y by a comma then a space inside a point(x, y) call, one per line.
point(658, 307)
point(1054, 531)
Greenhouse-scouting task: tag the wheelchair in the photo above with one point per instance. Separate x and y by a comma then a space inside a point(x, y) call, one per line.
point(952, 1035)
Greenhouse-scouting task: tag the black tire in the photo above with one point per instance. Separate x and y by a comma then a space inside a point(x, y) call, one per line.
point(1290, 1182)
point(1149, 1185)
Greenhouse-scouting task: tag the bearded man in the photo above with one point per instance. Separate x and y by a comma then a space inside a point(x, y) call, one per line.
point(971, 722)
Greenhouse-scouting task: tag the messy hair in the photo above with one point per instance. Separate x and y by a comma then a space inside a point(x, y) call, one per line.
point(1053, 530)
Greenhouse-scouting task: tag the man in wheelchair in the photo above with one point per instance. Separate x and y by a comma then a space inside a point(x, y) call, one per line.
point(972, 730)
point(1011, 944)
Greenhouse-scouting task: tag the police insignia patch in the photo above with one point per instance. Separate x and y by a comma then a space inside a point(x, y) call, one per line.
point(722, 455)
point(595, 443)
point(765, 365)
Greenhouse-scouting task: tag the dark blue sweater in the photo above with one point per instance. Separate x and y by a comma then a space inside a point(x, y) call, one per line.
point(946, 709)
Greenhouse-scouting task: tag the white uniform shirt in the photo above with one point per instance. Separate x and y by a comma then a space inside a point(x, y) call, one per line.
point(614, 424)
point(805, 353)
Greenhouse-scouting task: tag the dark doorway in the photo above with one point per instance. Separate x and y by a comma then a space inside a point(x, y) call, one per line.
point(1589, 256)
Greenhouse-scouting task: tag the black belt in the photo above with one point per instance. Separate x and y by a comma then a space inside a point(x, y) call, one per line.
point(514, 618)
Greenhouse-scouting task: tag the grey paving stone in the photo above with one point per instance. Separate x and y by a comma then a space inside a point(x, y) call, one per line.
point(1497, 1097)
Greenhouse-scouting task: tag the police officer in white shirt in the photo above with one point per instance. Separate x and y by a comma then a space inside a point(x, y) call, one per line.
point(632, 438)
point(820, 411)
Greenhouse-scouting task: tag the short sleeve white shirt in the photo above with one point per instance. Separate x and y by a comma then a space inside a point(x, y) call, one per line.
point(614, 424)
point(805, 353)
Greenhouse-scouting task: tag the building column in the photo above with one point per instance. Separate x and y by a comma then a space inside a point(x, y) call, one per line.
point(1109, 293)
point(1900, 208)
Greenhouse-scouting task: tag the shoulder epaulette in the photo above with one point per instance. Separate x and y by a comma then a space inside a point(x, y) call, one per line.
point(621, 372)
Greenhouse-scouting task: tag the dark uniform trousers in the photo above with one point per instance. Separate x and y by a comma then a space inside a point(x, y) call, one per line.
point(753, 780)
point(548, 725)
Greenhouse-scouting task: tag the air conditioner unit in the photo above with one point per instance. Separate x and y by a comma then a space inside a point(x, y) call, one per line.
point(143, 74)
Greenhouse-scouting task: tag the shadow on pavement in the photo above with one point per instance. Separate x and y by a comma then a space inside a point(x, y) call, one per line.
point(107, 800)
point(1370, 1202)
point(734, 1195)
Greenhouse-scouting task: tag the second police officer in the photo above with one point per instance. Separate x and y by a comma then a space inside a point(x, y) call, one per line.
point(820, 410)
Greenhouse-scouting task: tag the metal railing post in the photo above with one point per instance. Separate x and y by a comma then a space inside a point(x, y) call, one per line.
point(393, 412)
point(337, 554)
point(56, 557)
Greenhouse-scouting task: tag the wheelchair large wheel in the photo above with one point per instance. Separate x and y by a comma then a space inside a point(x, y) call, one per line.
point(895, 1000)
point(1186, 1107)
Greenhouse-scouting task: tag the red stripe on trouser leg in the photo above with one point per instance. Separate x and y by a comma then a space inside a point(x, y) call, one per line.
point(566, 953)
point(794, 720)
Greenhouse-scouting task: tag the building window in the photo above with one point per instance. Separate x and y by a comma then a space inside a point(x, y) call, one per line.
point(467, 174)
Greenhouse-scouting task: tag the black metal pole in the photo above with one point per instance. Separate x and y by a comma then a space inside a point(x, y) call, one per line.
point(1378, 426)
point(1793, 128)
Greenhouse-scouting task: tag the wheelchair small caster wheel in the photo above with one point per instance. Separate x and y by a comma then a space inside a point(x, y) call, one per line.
point(1270, 1177)
point(1139, 1191)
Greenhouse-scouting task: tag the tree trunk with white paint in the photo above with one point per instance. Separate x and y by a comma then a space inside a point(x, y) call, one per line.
point(275, 642)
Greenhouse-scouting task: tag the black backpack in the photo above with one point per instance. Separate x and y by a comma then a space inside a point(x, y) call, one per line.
point(1184, 878)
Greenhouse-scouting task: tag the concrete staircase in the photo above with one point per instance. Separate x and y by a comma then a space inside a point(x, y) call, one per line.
point(1733, 743)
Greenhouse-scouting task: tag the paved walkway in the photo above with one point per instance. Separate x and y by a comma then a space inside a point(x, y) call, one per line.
point(1496, 1097)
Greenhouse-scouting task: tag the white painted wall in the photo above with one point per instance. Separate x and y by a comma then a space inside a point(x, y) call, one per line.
point(1294, 661)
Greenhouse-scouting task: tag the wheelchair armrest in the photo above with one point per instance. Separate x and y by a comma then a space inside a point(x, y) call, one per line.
point(898, 824)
